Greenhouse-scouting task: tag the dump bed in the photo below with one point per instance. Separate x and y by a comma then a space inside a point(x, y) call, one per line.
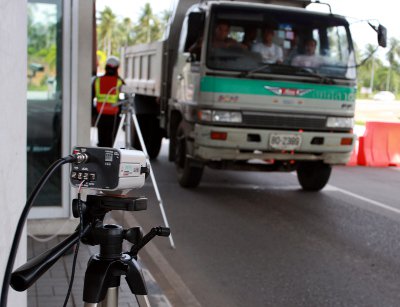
point(142, 68)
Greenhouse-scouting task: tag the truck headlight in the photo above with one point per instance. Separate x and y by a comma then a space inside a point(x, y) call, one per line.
point(340, 122)
point(220, 116)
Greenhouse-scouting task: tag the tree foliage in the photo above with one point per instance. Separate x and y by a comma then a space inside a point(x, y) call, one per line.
point(380, 74)
point(114, 32)
point(42, 50)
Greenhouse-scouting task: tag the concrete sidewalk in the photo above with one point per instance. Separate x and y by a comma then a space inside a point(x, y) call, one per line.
point(50, 290)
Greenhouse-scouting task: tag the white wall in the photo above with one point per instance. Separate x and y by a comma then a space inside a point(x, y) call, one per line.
point(81, 72)
point(13, 76)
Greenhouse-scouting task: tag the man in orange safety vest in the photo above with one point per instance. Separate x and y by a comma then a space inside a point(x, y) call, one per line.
point(106, 90)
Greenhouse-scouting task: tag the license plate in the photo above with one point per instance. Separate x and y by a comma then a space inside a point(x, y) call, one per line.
point(285, 141)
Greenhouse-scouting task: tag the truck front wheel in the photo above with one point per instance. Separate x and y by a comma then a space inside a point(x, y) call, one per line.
point(188, 176)
point(313, 176)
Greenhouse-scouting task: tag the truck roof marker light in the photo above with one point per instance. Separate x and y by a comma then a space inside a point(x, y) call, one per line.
point(346, 141)
point(301, 130)
point(218, 135)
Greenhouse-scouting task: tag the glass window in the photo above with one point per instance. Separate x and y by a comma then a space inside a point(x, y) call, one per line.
point(44, 99)
point(279, 41)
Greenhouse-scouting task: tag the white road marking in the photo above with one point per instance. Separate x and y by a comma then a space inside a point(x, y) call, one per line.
point(294, 188)
point(247, 186)
point(370, 201)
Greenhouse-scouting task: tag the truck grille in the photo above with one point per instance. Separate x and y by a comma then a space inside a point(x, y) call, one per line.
point(283, 121)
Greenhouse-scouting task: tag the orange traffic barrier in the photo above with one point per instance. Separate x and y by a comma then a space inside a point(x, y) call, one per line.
point(354, 156)
point(381, 145)
point(361, 152)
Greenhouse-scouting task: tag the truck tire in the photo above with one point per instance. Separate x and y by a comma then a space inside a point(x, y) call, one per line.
point(152, 136)
point(188, 176)
point(313, 176)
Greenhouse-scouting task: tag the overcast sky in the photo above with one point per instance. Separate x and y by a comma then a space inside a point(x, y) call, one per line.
point(384, 10)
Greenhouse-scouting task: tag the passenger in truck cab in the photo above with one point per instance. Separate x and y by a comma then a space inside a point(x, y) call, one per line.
point(270, 52)
point(309, 58)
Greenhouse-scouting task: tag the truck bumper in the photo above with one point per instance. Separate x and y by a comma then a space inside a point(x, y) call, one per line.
point(247, 144)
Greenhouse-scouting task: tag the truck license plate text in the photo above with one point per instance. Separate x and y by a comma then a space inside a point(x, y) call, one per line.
point(285, 141)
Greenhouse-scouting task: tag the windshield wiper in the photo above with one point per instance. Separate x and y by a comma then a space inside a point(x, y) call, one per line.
point(250, 72)
point(310, 72)
point(290, 69)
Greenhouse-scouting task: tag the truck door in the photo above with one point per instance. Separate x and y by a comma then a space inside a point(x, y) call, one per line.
point(187, 70)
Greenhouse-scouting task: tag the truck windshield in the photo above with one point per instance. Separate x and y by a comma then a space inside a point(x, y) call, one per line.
point(281, 41)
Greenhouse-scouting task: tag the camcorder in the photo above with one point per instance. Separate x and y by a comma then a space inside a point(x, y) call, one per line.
point(109, 170)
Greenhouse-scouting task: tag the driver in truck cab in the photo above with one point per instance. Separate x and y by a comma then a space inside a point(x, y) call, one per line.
point(221, 39)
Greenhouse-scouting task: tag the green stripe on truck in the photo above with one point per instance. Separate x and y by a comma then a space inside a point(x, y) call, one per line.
point(258, 87)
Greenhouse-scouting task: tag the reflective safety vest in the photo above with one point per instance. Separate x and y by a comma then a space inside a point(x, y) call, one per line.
point(107, 93)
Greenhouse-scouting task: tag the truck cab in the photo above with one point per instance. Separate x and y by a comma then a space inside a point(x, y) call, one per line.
point(236, 105)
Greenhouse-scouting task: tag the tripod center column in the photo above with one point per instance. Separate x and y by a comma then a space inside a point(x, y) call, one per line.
point(110, 238)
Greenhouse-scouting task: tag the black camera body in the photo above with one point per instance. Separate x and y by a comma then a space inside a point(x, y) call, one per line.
point(109, 169)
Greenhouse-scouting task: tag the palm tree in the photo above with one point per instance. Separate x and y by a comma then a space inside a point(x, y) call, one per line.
point(124, 32)
point(392, 56)
point(114, 33)
point(165, 19)
point(106, 28)
point(370, 50)
point(148, 27)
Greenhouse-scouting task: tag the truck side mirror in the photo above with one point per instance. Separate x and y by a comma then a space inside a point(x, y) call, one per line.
point(382, 36)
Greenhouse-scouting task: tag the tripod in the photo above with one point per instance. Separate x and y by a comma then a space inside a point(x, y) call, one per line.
point(104, 270)
point(129, 116)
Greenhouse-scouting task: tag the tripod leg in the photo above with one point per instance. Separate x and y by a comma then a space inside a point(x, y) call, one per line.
point(119, 131)
point(153, 179)
point(143, 301)
point(111, 299)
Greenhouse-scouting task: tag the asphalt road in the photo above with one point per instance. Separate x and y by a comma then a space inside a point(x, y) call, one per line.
point(256, 239)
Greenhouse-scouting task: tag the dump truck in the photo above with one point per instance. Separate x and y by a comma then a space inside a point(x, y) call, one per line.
point(227, 106)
